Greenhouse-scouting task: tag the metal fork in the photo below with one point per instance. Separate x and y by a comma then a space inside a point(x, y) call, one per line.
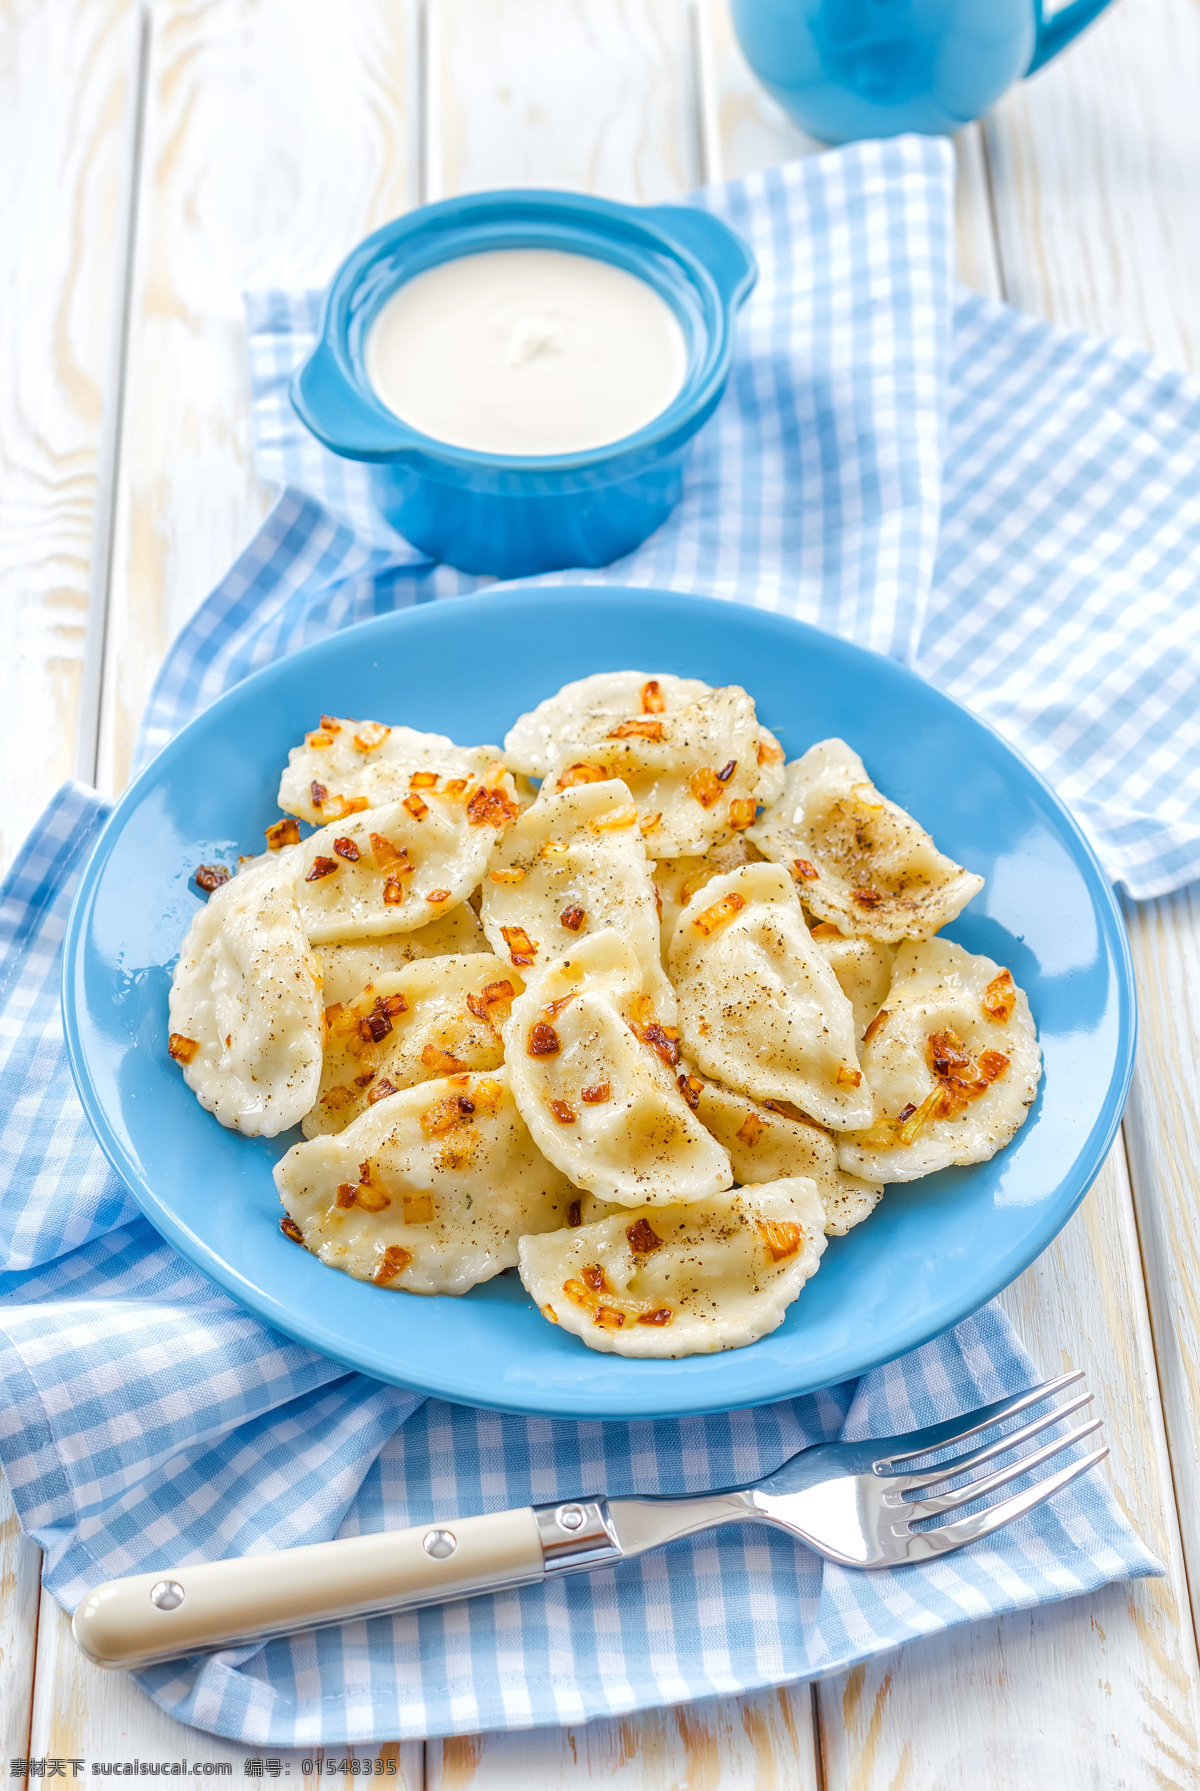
point(850, 1502)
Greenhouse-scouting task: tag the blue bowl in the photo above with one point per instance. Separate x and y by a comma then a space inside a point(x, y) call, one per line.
point(513, 515)
point(933, 1251)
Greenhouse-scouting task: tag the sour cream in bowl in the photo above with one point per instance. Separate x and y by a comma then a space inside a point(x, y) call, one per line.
point(526, 351)
point(524, 372)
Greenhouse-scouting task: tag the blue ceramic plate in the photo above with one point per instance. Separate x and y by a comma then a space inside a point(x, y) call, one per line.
point(932, 1252)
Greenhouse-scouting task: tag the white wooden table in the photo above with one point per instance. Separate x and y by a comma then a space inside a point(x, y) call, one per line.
point(153, 166)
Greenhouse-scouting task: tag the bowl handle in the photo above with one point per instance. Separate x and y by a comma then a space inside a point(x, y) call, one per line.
point(723, 253)
point(328, 404)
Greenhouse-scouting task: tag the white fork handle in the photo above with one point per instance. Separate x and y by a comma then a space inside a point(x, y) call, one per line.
point(132, 1622)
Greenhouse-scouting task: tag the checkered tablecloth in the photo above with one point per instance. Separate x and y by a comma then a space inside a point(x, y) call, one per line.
point(1011, 509)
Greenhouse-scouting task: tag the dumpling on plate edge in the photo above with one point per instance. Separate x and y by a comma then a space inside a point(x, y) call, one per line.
point(588, 709)
point(428, 1191)
point(245, 1003)
point(953, 1062)
point(697, 774)
point(594, 1074)
point(343, 767)
point(760, 1009)
point(859, 860)
point(680, 1280)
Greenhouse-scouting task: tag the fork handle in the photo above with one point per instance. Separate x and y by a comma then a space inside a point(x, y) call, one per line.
point(150, 1617)
point(159, 1616)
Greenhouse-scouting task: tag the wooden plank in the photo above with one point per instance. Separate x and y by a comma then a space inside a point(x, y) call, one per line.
point(277, 135)
point(82, 1712)
point(736, 1744)
point(63, 96)
point(1162, 1125)
point(1098, 207)
point(1094, 170)
point(975, 235)
point(592, 94)
point(753, 132)
point(1099, 1691)
point(63, 91)
point(20, 1567)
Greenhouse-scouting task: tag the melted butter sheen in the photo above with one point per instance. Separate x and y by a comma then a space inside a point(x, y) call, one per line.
point(526, 351)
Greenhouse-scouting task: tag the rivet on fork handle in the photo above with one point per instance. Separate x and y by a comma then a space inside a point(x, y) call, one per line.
point(577, 1534)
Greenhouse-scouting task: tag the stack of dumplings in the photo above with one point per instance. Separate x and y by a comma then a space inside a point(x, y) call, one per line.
point(630, 1006)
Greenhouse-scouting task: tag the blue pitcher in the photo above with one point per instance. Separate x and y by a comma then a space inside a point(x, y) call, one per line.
point(873, 68)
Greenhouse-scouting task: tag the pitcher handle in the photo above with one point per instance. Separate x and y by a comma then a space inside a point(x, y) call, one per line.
point(1054, 34)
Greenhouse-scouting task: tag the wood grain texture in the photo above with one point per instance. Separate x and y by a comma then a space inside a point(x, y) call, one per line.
point(1162, 1125)
point(592, 94)
point(81, 1711)
point(20, 1566)
point(978, 260)
point(63, 81)
point(763, 1743)
point(277, 134)
point(1098, 1692)
point(1094, 166)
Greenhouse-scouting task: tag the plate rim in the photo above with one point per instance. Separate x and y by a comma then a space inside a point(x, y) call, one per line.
point(308, 1329)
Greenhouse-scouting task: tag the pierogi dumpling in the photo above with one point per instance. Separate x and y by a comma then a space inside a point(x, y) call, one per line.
point(345, 766)
point(656, 1028)
point(588, 709)
point(348, 965)
point(572, 864)
point(678, 879)
point(953, 1062)
point(395, 868)
point(863, 968)
point(694, 773)
point(768, 1145)
point(859, 860)
point(680, 1280)
point(593, 1071)
point(429, 1191)
point(245, 1005)
point(433, 1018)
point(760, 1009)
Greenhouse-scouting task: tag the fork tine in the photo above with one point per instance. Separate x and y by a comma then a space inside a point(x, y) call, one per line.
point(978, 1489)
point(957, 1430)
point(927, 1545)
point(959, 1464)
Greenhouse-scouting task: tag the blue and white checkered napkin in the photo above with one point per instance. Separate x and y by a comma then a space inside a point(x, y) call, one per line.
point(1012, 509)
